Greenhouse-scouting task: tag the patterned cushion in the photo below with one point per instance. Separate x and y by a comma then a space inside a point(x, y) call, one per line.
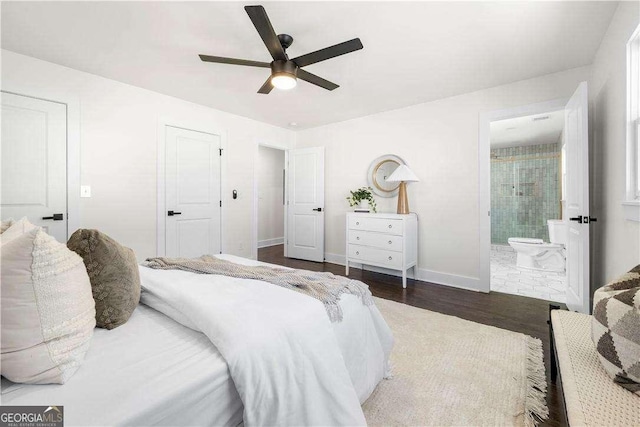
point(48, 314)
point(615, 329)
point(113, 271)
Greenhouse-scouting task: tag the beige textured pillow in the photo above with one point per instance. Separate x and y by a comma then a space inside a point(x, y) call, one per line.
point(48, 314)
point(113, 271)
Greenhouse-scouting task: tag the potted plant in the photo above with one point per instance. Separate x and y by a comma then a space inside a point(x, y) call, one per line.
point(363, 198)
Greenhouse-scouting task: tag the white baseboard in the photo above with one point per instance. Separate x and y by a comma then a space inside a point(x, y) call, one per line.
point(424, 275)
point(270, 242)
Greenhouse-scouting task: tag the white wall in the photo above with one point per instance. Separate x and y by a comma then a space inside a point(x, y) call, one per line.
point(270, 196)
point(439, 141)
point(119, 125)
point(616, 241)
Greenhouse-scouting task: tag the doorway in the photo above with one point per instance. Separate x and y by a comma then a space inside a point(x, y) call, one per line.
point(528, 255)
point(571, 231)
point(271, 204)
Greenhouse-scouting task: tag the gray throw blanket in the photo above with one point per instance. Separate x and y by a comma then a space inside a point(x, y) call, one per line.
point(325, 287)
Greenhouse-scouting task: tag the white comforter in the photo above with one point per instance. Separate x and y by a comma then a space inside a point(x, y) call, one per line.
point(290, 364)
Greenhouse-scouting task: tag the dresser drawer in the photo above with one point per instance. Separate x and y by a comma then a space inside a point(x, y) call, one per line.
point(376, 240)
point(377, 256)
point(379, 225)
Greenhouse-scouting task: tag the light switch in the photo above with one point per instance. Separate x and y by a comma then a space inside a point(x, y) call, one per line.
point(85, 191)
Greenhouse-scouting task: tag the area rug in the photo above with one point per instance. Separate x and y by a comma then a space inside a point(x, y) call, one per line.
point(449, 371)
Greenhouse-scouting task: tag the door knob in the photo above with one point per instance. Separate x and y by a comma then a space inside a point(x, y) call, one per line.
point(588, 219)
point(317, 209)
point(577, 219)
point(172, 213)
point(55, 217)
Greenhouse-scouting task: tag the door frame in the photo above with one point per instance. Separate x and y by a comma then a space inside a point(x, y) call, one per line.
point(285, 148)
point(484, 175)
point(161, 208)
point(72, 104)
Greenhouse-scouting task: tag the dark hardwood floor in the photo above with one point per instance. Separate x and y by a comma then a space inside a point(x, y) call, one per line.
point(515, 313)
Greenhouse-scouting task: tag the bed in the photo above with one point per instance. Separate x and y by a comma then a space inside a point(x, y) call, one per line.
point(155, 370)
point(150, 371)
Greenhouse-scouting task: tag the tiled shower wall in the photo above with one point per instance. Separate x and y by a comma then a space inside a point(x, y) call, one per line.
point(525, 191)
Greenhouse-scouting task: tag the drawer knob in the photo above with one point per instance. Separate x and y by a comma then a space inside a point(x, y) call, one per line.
point(390, 226)
point(357, 223)
point(390, 258)
point(357, 253)
point(390, 242)
point(358, 238)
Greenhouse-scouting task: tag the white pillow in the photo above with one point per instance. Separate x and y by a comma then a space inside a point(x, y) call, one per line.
point(11, 229)
point(6, 224)
point(47, 309)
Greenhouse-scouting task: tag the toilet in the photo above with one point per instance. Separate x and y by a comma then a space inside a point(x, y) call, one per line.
point(538, 255)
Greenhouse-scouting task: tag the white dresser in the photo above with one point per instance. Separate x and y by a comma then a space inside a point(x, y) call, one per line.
point(383, 240)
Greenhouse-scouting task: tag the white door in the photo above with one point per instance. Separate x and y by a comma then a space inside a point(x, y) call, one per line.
point(192, 186)
point(305, 237)
point(34, 163)
point(576, 139)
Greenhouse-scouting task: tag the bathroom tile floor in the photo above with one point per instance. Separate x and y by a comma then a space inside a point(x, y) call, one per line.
point(508, 278)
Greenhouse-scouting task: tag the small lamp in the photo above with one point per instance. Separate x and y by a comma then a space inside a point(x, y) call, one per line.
point(403, 174)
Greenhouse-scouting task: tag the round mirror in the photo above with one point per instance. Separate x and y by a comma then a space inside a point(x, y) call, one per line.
point(380, 169)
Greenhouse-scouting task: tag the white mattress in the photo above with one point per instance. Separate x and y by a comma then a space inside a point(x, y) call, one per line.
point(149, 371)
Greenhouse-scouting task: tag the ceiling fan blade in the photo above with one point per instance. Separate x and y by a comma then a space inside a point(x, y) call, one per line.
point(233, 61)
point(261, 21)
point(266, 87)
point(328, 52)
point(318, 81)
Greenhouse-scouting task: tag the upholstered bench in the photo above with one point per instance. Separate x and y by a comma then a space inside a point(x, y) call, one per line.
point(591, 397)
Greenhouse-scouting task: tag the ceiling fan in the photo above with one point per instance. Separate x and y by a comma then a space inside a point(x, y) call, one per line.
point(285, 71)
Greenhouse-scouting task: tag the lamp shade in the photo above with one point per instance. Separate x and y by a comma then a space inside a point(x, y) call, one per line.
point(403, 173)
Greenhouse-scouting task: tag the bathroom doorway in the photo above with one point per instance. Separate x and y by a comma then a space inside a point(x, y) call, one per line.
point(270, 191)
point(528, 256)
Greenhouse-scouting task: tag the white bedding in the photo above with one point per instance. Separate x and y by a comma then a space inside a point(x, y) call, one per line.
point(155, 371)
point(290, 364)
point(149, 371)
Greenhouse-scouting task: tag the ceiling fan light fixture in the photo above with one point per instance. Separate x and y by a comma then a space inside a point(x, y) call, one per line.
point(285, 71)
point(284, 81)
point(284, 74)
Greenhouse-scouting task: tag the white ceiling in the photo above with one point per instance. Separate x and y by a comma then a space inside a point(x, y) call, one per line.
point(413, 51)
point(527, 130)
